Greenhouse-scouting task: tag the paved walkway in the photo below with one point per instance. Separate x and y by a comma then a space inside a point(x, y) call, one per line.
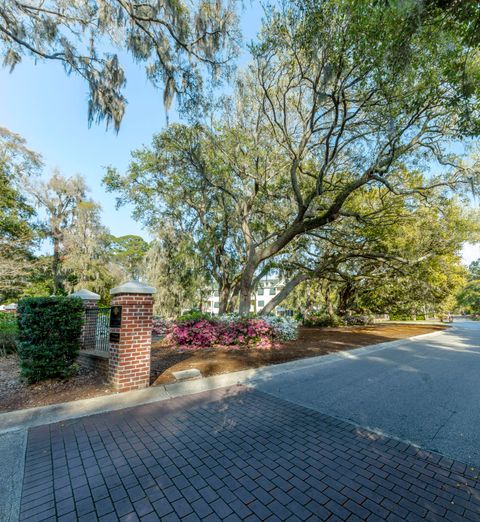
point(235, 454)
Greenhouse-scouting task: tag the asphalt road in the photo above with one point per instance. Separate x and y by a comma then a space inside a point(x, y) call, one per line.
point(426, 391)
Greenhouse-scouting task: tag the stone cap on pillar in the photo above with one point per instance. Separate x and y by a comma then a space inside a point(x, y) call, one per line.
point(132, 287)
point(86, 295)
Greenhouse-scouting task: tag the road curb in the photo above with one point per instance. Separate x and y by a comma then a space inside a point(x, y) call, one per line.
point(27, 418)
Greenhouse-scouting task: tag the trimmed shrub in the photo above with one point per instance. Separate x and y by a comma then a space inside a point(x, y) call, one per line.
point(358, 320)
point(406, 317)
point(193, 315)
point(49, 336)
point(8, 333)
point(321, 320)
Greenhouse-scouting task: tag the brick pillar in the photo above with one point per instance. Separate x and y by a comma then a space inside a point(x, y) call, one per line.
point(90, 300)
point(131, 336)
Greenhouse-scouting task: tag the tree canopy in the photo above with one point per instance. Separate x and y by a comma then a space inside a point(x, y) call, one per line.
point(175, 39)
point(325, 111)
point(17, 227)
point(333, 162)
point(468, 298)
point(129, 253)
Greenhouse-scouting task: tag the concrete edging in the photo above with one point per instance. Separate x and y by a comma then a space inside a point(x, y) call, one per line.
point(14, 425)
point(12, 448)
point(27, 418)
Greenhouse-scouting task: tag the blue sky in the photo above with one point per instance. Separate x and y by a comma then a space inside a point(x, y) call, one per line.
point(49, 109)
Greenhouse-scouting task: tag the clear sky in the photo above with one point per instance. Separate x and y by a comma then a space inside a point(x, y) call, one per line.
point(49, 109)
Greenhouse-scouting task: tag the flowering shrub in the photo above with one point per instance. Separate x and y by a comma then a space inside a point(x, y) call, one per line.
point(198, 334)
point(285, 328)
point(246, 331)
point(320, 320)
point(161, 327)
point(233, 332)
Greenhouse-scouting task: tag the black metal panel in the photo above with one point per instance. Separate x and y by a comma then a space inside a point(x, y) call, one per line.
point(116, 317)
point(114, 337)
point(97, 329)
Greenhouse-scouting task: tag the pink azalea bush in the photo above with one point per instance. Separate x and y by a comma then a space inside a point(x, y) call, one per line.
point(250, 332)
point(226, 332)
point(197, 333)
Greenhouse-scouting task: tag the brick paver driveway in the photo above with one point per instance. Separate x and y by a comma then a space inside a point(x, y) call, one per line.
point(235, 454)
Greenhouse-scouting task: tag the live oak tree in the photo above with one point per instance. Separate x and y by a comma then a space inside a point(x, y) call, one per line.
point(128, 252)
point(58, 198)
point(326, 110)
point(17, 229)
point(348, 115)
point(86, 261)
point(177, 271)
point(175, 39)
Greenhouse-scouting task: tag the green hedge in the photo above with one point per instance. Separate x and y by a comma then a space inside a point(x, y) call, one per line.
point(49, 336)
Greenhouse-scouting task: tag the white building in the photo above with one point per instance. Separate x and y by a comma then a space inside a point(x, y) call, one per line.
point(266, 291)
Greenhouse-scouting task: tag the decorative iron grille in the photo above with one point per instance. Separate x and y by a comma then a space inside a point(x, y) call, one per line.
point(96, 329)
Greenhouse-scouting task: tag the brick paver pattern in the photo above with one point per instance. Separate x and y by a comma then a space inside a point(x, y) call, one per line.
point(235, 454)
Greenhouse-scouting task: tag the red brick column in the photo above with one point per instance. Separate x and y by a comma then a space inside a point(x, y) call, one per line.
point(131, 340)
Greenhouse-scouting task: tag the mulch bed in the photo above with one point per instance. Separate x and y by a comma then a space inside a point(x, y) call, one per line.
point(310, 343)
point(16, 394)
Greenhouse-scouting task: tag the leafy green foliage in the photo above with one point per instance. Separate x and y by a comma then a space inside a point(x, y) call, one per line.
point(128, 252)
point(468, 299)
point(474, 270)
point(17, 230)
point(320, 320)
point(59, 199)
point(177, 271)
point(194, 315)
point(49, 336)
point(86, 262)
point(8, 332)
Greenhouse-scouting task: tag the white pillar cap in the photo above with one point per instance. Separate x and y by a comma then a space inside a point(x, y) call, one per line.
point(132, 287)
point(86, 295)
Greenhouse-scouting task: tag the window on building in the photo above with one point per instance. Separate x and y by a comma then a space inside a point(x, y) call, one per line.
point(260, 291)
point(261, 304)
point(273, 291)
point(216, 305)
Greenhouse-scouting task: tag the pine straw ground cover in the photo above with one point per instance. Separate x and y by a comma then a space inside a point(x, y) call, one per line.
point(16, 394)
point(168, 358)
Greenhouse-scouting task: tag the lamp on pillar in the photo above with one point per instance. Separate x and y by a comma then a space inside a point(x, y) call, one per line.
point(130, 335)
